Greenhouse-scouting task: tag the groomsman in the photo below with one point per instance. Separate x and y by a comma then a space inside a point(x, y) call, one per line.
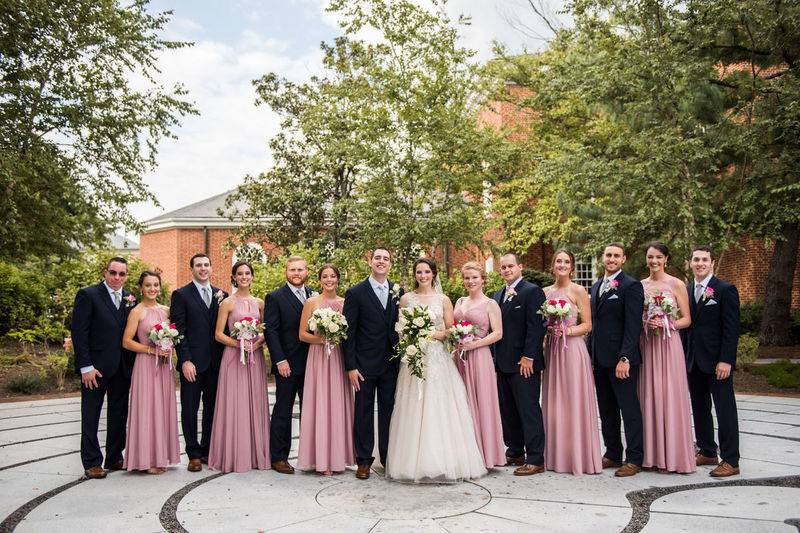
point(519, 361)
point(282, 310)
point(193, 309)
point(98, 320)
point(711, 343)
point(617, 306)
point(370, 308)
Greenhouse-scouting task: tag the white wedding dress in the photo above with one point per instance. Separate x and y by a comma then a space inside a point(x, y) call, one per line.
point(431, 436)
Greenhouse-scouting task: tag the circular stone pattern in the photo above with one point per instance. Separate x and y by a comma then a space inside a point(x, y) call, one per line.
point(402, 501)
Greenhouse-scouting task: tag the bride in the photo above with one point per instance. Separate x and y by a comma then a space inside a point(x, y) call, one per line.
point(431, 436)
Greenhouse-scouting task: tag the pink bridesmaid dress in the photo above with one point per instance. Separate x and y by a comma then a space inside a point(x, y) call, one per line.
point(572, 440)
point(152, 439)
point(326, 427)
point(664, 396)
point(478, 373)
point(240, 435)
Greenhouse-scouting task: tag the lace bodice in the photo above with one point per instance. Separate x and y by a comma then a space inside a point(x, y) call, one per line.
point(434, 304)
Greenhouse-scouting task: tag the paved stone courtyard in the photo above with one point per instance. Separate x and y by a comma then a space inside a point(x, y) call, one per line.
point(42, 491)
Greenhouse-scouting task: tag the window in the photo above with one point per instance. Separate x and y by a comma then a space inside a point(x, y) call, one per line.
point(585, 272)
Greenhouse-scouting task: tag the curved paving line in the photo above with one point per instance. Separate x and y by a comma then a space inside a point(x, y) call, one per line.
point(12, 521)
point(169, 511)
point(23, 463)
point(641, 500)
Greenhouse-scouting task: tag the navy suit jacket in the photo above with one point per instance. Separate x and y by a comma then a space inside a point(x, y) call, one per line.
point(371, 336)
point(196, 323)
point(714, 333)
point(282, 312)
point(97, 327)
point(616, 322)
point(523, 328)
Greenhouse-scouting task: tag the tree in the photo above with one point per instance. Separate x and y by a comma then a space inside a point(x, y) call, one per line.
point(81, 115)
point(385, 149)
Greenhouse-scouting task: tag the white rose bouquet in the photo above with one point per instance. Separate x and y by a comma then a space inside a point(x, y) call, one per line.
point(662, 308)
point(330, 324)
point(246, 331)
point(165, 336)
point(415, 325)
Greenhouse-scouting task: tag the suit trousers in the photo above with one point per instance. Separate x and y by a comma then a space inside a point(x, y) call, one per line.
point(364, 420)
point(521, 415)
point(117, 387)
point(203, 389)
point(280, 429)
point(615, 396)
point(702, 388)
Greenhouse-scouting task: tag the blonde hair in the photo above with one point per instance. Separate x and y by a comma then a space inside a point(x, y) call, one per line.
point(472, 265)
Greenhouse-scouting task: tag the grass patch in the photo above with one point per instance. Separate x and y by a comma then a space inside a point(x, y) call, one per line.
point(782, 374)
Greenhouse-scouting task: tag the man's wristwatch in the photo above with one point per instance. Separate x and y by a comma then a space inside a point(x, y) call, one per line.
point(624, 359)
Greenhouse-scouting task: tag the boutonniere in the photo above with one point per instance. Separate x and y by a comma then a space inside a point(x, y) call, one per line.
point(219, 295)
point(510, 293)
point(395, 292)
point(313, 294)
point(613, 284)
point(708, 294)
point(130, 300)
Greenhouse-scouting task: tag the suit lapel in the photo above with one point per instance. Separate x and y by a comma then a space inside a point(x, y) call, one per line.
point(620, 277)
point(106, 297)
point(292, 298)
point(374, 297)
point(712, 283)
point(198, 300)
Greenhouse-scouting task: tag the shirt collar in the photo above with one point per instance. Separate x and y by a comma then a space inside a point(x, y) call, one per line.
point(112, 291)
point(293, 288)
point(514, 285)
point(374, 283)
point(613, 276)
point(705, 281)
point(200, 286)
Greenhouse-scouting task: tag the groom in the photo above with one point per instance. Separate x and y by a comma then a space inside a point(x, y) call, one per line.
point(370, 308)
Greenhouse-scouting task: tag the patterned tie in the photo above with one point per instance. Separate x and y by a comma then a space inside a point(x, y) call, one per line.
point(301, 295)
point(698, 292)
point(207, 296)
point(117, 299)
point(606, 284)
point(382, 295)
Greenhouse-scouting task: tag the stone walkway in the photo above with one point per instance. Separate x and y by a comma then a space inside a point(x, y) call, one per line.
point(42, 491)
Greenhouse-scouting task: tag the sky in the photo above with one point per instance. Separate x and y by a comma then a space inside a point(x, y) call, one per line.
point(241, 40)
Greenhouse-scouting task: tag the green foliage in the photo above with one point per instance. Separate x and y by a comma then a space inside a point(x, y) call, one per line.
point(81, 115)
point(60, 367)
point(747, 349)
point(22, 298)
point(542, 279)
point(750, 314)
point(29, 383)
point(25, 337)
point(783, 374)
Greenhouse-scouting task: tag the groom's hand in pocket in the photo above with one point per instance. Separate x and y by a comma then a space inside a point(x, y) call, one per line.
point(355, 379)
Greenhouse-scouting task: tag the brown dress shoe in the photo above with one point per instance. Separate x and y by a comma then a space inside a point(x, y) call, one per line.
point(627, 470)
point(95, 472)
point(283, 467)
point(724, 470)
point(702, 460)
point(608, 463)
point(204, 460)
point(195, 465)
point(529, 470)
point(515, 461)
point(115, 466)
point(362, 472)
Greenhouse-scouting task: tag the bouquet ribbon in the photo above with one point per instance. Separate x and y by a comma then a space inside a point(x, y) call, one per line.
point(246, 348)
point(160, 351)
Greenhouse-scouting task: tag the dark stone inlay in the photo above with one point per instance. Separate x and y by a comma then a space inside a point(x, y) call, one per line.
point(42, 438)
point(793, 439)
point(29, 461)
point(769, 422)
point(169, 511)
point(41, 425)
point(40, 414)
point(641, 500)
point(12, 521)
point(793, 522)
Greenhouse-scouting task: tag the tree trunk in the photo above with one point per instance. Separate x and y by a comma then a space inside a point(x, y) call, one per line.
point(777, 320)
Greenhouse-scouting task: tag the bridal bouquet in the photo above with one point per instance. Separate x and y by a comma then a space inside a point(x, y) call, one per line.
point(246, 331)
point(415, 325)
point(461, 332)
point(663, 307)
point(556, 315)
point(165, 336)
point(331, 324)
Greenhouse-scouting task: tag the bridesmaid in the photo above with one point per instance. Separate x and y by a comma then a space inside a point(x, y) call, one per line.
point(663, 388)
point(326, 427)
point(572, 440)
point(477, 367)
point(240, 435)
point(152, 441)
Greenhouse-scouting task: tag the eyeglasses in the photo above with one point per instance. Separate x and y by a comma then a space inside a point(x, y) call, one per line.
point(115, 274)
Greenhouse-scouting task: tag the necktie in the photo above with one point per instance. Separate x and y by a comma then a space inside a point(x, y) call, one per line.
point(117, 299)
point(207, 296)
point(698, 292)
point(606, 284)
point(382, 295)
point(301, 295)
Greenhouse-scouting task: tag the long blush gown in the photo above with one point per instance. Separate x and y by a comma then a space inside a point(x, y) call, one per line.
point(152, 440)
point(240, 435)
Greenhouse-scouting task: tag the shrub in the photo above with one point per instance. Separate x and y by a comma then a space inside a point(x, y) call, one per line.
point(59, 366)
point(747, 351)
point(22, 298)
point(783, 374)
point(542, 279)
point(750, 314)
point(26, 383)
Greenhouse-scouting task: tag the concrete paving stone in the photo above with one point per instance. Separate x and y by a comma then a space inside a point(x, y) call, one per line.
point(330, 523)
point(747, 502)
point(478, 522)
point(674, 523)
point(560, 516)
point(408, 526)
point(766, 428)
point(54, 420)
point(785, 418)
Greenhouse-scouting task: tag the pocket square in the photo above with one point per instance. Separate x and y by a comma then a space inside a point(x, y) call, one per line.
point(613, 297)
point(711, 302)
point(518, 307)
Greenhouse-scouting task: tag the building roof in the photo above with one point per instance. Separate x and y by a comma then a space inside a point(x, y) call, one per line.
point(199, 214)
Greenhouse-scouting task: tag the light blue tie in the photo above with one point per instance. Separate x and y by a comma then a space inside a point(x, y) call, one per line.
point(382, 295)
